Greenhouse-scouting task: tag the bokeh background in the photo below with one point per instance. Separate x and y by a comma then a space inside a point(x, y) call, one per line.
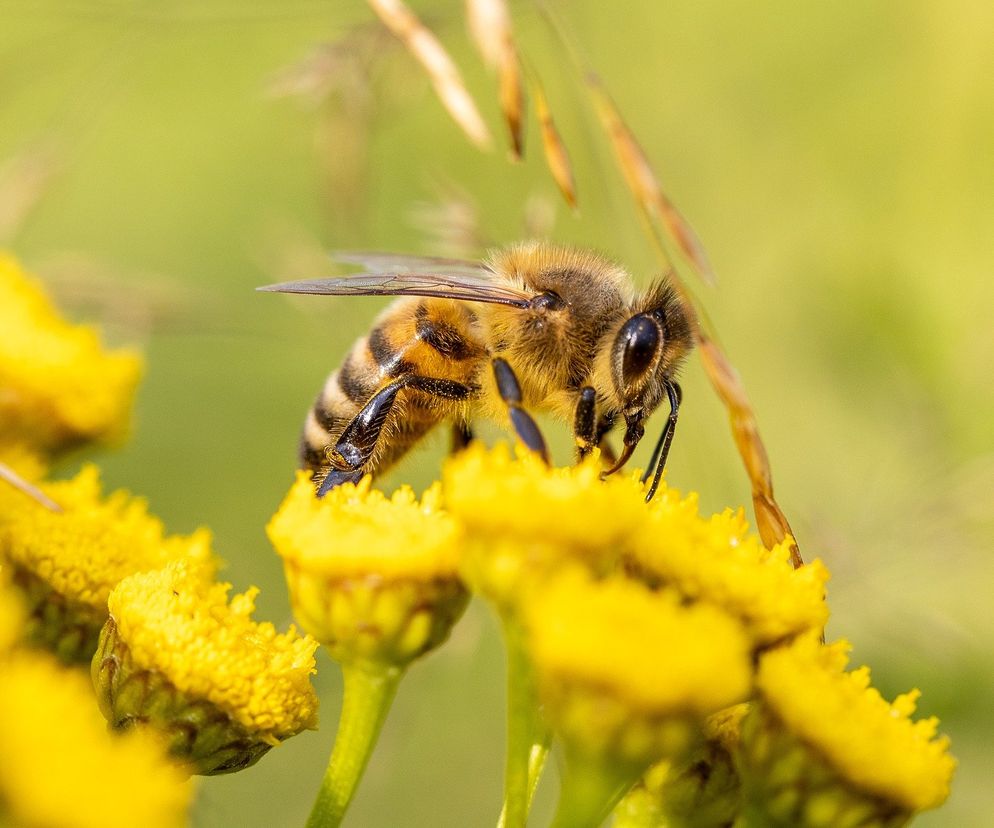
point(158, 160)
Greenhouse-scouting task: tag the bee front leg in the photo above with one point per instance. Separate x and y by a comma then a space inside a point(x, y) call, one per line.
point(584, 428)
point(510, 392)
point(662, 449)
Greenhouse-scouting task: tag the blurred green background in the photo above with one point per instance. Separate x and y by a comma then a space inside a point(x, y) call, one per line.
point(159, 160)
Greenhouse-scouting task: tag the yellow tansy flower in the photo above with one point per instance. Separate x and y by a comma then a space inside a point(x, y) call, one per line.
point(224, 688)
point(375, 580)
point(523, 517)
point(825, 746)
point(58, 386)
point(60, 767)
point(702, 790)
point(626, 677)
point(615, 647)
point(718, 560)
point(371, 577)
point(66, 563)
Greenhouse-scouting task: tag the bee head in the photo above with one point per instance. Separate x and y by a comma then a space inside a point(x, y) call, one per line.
point(649, 347)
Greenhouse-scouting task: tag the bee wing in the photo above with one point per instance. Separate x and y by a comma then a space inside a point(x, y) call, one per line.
point(468, 287)
point(377, 262)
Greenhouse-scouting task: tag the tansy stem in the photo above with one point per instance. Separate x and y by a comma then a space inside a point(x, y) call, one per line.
point(527, 738)
point(369, 691)
point(590, 790)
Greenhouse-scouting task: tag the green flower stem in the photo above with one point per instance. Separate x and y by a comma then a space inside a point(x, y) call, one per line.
point(590, 790)
point(527, 737)
point(369, 692)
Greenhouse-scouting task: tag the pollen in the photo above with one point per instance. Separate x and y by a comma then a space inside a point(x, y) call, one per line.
point(58, 385)
point(177, 623)
point(872, 743)
point(60, 766)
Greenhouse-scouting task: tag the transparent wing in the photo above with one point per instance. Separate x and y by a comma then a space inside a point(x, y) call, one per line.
point(377, 262)
point(468, 287)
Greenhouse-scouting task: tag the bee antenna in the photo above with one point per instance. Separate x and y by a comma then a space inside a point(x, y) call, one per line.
point(662, 449)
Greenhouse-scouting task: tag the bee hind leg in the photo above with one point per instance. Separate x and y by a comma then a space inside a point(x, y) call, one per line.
point(510, 392)
point(350, 456)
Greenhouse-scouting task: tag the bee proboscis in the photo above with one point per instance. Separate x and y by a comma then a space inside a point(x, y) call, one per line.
point(536, 327)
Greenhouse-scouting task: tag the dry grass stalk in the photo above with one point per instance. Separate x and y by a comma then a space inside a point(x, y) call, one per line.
point(556, 156)
point(644, 184)
point(24, 180)
point(770, 519)
point(512, 99)
point(8, 475)
point(490, 26)
point(441, 69)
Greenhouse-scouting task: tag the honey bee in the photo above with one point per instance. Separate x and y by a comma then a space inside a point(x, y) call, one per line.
point(536, 327)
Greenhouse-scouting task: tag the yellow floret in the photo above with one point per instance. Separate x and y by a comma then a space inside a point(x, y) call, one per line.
point(357, 530)
point(60, 766)
point(497, 495)
point(869, 741)
point(178, 623)
point(82, 552)
point(645, 648)
point(58, 386)
point(372, 578)
point(718, 561)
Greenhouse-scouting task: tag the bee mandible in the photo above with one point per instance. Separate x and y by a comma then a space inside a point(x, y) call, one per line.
point(535, 327)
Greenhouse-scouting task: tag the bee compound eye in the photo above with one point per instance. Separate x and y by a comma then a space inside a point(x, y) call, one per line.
point(640, 339)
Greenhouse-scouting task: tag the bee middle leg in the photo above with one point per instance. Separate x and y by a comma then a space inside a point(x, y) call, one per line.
point(462, 436)
point(355, 445)
point(510, 392)
point(584, 422)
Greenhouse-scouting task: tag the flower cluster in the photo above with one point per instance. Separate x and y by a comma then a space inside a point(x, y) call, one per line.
point(59, 765)
point(95, 579)
point(67, 562)
point(653, 643)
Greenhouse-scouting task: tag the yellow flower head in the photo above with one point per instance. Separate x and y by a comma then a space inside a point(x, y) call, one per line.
point(617, 665)
point(717, 560)
point(58, 386)
point(523, 518)
point(866, 753)
point(371, 577)
point(59, 766)
point(66, 563)
point(202, 659)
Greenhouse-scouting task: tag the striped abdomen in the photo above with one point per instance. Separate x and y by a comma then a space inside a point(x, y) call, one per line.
point(434, 338)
